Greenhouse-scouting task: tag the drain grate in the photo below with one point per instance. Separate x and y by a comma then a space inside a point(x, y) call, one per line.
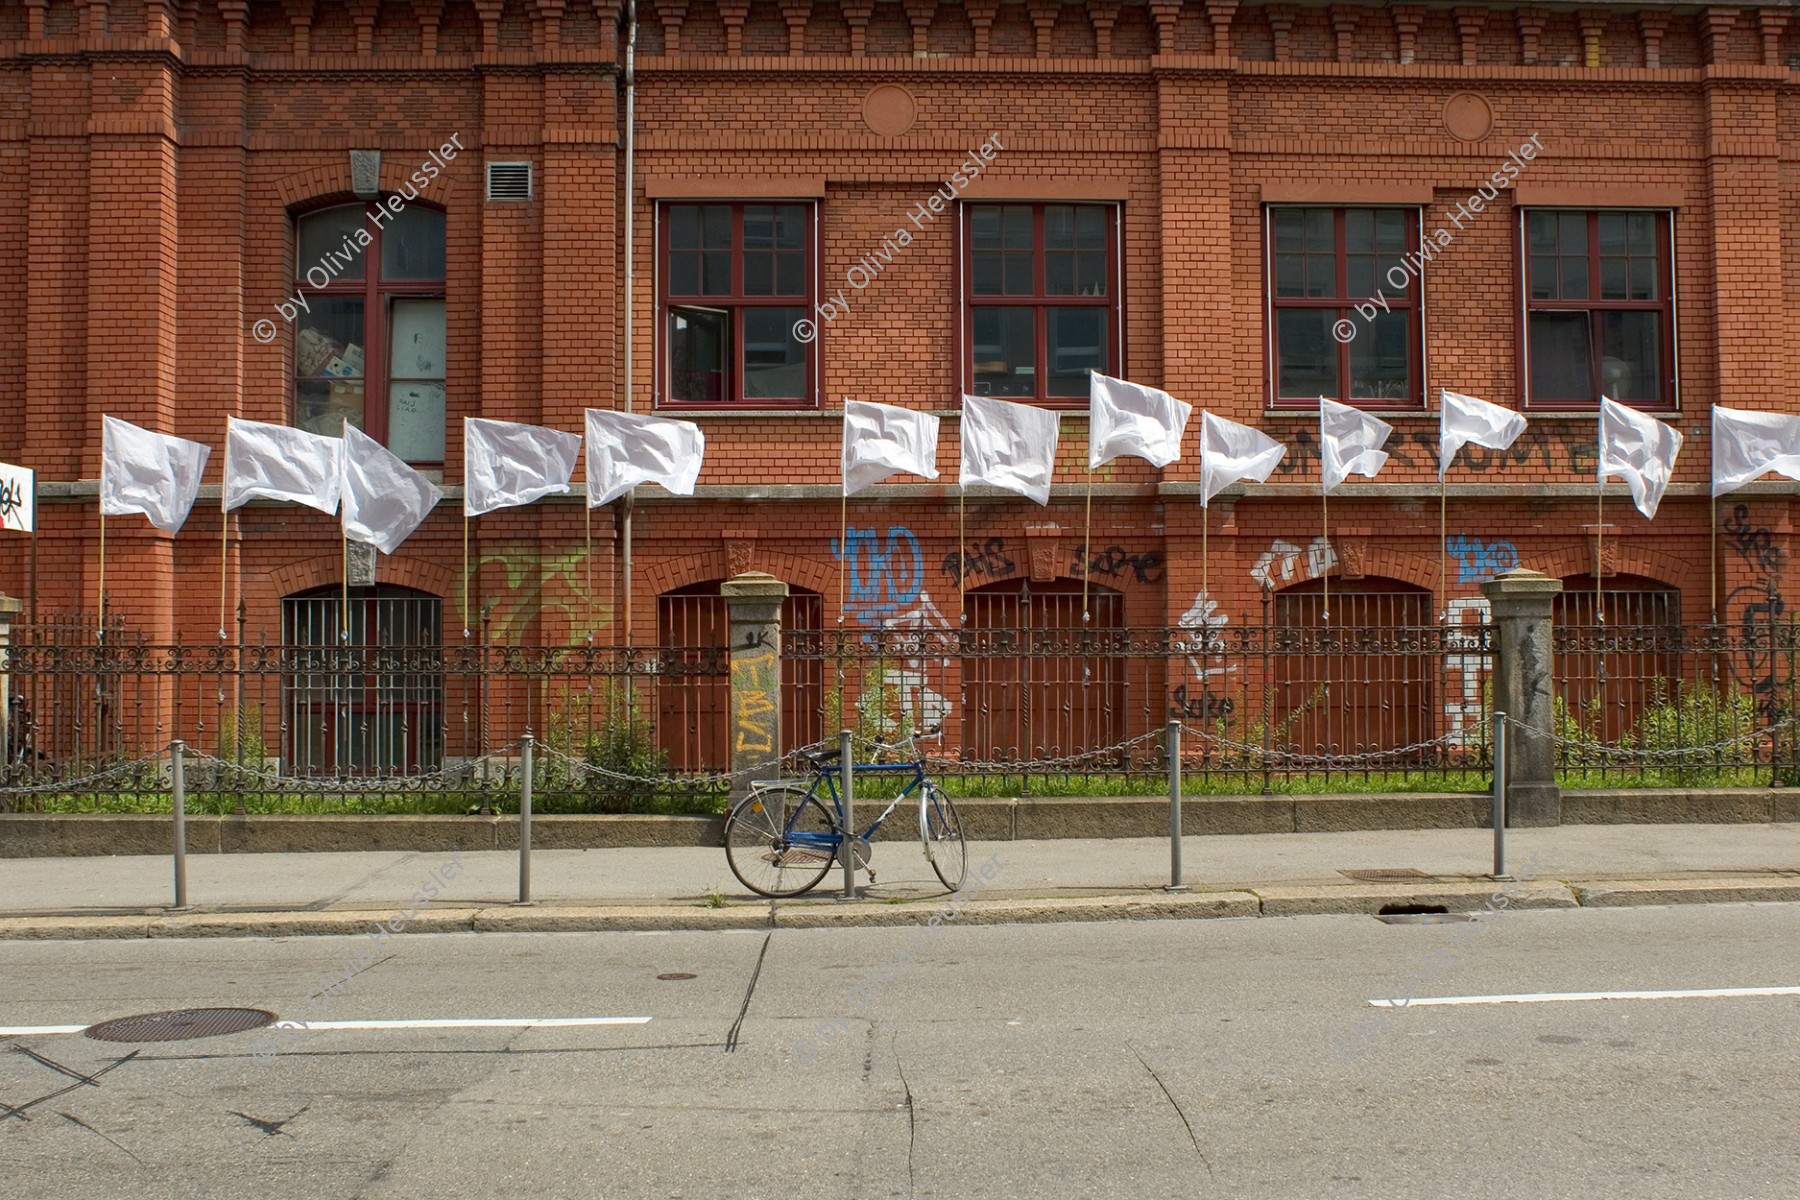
point(1418, 914)
point(181, 1025)
point(1384, 874)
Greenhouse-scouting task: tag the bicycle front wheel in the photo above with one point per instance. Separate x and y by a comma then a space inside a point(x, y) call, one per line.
point(780, 841)
point(940, 828)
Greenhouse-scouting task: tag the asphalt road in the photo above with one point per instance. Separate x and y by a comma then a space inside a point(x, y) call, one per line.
point(1142, 1059)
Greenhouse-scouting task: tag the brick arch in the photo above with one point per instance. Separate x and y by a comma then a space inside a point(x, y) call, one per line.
point(327, 570)
point(330, 183)
point(1628, 559)
point(1401, 566)
point(673, 573)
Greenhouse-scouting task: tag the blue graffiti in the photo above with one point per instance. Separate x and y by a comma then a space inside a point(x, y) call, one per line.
point(885, 576)
point(1477, 561)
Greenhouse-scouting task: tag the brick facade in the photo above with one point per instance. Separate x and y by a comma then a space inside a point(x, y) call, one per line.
point(153, 153)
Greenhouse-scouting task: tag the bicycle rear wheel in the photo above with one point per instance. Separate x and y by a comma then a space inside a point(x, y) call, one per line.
point(940, 828)
point(761, 847)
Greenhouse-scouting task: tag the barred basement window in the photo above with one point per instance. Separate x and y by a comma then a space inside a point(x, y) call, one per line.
point(369, 705)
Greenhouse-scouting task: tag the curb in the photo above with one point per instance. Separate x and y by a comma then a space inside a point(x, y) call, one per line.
point(1277, 900)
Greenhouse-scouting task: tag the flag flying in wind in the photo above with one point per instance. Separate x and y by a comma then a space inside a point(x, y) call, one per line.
point(1350, 442)
point(506, 465)
point(1464, 419)
point(384, 499)
point(18, 498)
point(881, 440)
point(1230, 452)
point(150, 473)
point(1128, 418)
point(624, 450)
point(1640, 449)
point(276, 462)
point(1745, 444)
point(1006, 445)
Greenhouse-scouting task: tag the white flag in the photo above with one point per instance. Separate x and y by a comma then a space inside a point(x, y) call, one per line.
point(384, 499)
point(18, 498)
point(1638, 448)
point(1350, 442)
point(881, 440)
point(624, 450)
point(1128, 418)
point(1745, 444)
point(506, 465)
point(276, 462)
point(1230, 452)
point(1464, 419)
point(151, 473)
point(1006, 445)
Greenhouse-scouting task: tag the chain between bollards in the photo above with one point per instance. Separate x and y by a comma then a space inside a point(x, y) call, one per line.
point(1174, 748)
point(178, 803)
point(525, 766)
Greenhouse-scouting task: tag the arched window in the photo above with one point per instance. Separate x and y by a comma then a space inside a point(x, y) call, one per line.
point(1358, 680)
point(371, 703)
point(1037, 682)
point(370, 340)
point(693, 693)
point(1608, 672)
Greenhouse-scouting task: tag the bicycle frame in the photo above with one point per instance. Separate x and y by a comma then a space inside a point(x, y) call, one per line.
point(829, 777)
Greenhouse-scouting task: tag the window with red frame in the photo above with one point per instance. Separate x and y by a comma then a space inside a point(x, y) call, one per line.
point(1323, 264)
point(370, 343)
point(1600, 313)
point(735, 280)
point(1041, 299)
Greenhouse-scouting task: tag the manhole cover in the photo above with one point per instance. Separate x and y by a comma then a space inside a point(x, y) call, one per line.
point(1385, 874)
point(181, 1025)
point(676, 975)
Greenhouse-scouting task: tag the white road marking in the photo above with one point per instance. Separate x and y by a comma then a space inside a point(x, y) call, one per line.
point(431, 1023)
point(1558, 997)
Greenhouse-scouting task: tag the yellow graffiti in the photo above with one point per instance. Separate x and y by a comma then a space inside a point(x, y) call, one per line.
point(754, 680)
point(552, 590)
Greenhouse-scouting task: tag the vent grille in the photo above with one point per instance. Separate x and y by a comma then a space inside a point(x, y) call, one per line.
point(509, 181)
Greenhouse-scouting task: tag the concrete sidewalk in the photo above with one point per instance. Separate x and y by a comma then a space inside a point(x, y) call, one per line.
point(1058, 880)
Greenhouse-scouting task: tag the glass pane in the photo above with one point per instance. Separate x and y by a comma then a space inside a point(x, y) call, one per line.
point(322, 406)
point(1643, 232)
point(699, 351)
point(1559, 358)
point(1287, 223)
point(1380, 365)
point(790, 273)
point(1018, 274)
point(1574, 278)
point(1544, 279)
point(1390, 231)
point(1321, 231)
point(416, 421)
point(1091, 278)
point(1290, 275)
point(1018, 227)
point(684, 273)
point(1090, 227)
point(1643, 279)
point(716, 226)
point(1612, 278)
point(790, 226)
point(1059, 273)
point(759, 271)
point(1005, 352)
point(759, 227)
point(716, 271)
point(984, 224)
point(684, 226)
point(329, 338)
point(1359, 231)
point(1360, 271)
point(1631, 355)
point(1612, 233)
point(1572, 234)
point(987, 280)
point(1059, 227)
point(1321, 275)
point(412, 245)
point(1540, 233)
point(1307, 353)
point(417, 344)
point(1076, 344)
point(322, 233)
point(774, 359)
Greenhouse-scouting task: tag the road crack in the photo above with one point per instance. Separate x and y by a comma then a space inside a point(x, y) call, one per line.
point(731, 1035)
point(1176, 1104)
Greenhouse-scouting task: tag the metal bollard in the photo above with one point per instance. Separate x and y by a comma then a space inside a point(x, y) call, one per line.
point(847, 787)
point(525, 756)
point(178, 802)
point(1500, 739)
point(1174, 745)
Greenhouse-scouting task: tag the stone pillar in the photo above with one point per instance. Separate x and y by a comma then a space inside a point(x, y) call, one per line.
point(1520, 601)
point(9, 612)
point(754, 600)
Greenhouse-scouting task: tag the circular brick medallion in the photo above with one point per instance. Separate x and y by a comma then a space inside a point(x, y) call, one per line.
point(889, 110)
point(1468, 117)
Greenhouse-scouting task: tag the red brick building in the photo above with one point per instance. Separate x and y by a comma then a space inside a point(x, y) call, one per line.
point(1186, 193)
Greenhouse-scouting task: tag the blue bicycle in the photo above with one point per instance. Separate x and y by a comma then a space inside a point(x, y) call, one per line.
point(781, 839)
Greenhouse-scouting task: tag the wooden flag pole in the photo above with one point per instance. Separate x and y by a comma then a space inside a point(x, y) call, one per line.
point(962, 562)
point(465, 574)
point(1599, 550)
point(101, 632)
point(224, 543)
point(345, 624)
point(1712, 563)
point(1087, 536)
point(1443, 554)
point(587, 530)
point(1325, 513)
point(34, 557)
